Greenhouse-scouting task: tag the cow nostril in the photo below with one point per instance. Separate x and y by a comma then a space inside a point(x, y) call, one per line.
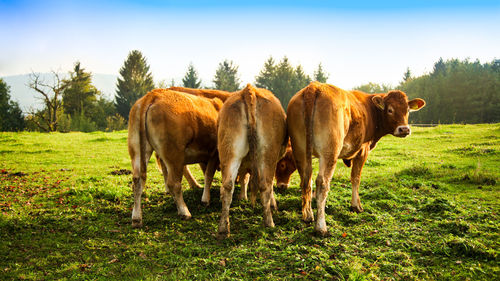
point(404, 130)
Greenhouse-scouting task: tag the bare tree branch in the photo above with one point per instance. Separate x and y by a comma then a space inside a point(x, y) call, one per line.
point(51, 98)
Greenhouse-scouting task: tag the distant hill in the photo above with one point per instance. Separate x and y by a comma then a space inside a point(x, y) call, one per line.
point(19, 90)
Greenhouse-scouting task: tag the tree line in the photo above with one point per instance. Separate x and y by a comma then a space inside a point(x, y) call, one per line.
point(456, 92)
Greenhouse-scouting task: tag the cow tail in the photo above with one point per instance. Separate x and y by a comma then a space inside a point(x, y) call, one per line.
point(309, 97)
point(250, 101)
point(143, 137)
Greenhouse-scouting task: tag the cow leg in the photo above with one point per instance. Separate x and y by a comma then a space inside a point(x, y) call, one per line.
point(266, 193)
point(209, 176)
point(274, 204)
point(229, 172)
point(244, 177)
point(186, 172)
point(190, 179)
point(139, 182)
point(327, 165)
point(253, 188)
point(173, 183)
point(357, 165)
point(305, 183)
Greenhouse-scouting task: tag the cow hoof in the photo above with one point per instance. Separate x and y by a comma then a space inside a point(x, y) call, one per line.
point(270, 225)
point(222, 235)
point(136, 223)
point(307, 216)
point(205, 204)
point(269, 222)
point(185, 217)
point(357, 209)
point(308, 219)
point(322, 232)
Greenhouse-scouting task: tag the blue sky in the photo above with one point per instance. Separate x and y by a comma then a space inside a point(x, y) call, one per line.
point(356, 42)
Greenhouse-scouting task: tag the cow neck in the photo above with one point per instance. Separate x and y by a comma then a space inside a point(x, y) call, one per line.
point(376, 128)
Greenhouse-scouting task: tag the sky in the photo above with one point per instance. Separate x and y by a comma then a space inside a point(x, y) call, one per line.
point(356, 41)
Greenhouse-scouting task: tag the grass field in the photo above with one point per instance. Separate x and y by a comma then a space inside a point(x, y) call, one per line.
point(431, 212)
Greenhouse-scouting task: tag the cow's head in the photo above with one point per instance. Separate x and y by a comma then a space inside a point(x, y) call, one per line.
point(284, 169)
point(396, 107)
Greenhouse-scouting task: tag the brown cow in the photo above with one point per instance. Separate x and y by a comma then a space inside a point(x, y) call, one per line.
point(332, 124)
point(284, 169)
point(251, 135)
point(181, 129)
point(207, 93)
point(286, 164)
point(186, 173)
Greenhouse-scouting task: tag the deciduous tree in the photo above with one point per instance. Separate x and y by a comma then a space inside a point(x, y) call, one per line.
point(50, 95)
point(373, 88)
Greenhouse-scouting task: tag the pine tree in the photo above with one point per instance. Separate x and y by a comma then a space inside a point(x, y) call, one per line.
point(407, 75)
point(320, 75)
point(80, 95)
point(136, 80)
point(457, 92)
point(301, 79)
point(439, 68)
point(266, 76)
point(285, 81)
point(11, 116)
point(226, 77)
point(282, 79)
point(191, 80)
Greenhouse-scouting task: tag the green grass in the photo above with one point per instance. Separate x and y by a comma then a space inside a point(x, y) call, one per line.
point(431, 212)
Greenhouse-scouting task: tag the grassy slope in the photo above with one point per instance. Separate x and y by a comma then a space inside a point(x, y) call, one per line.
point(431, 212)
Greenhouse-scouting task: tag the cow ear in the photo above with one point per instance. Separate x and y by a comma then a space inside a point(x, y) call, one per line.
point(379, 102)
point(217, 103)
point(416, 104)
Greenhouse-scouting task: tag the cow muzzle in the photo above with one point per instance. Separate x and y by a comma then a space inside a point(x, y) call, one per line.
point(402, 131)
point(281, 187)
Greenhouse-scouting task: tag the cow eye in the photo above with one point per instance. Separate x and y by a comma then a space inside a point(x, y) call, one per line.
point(389, 110)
